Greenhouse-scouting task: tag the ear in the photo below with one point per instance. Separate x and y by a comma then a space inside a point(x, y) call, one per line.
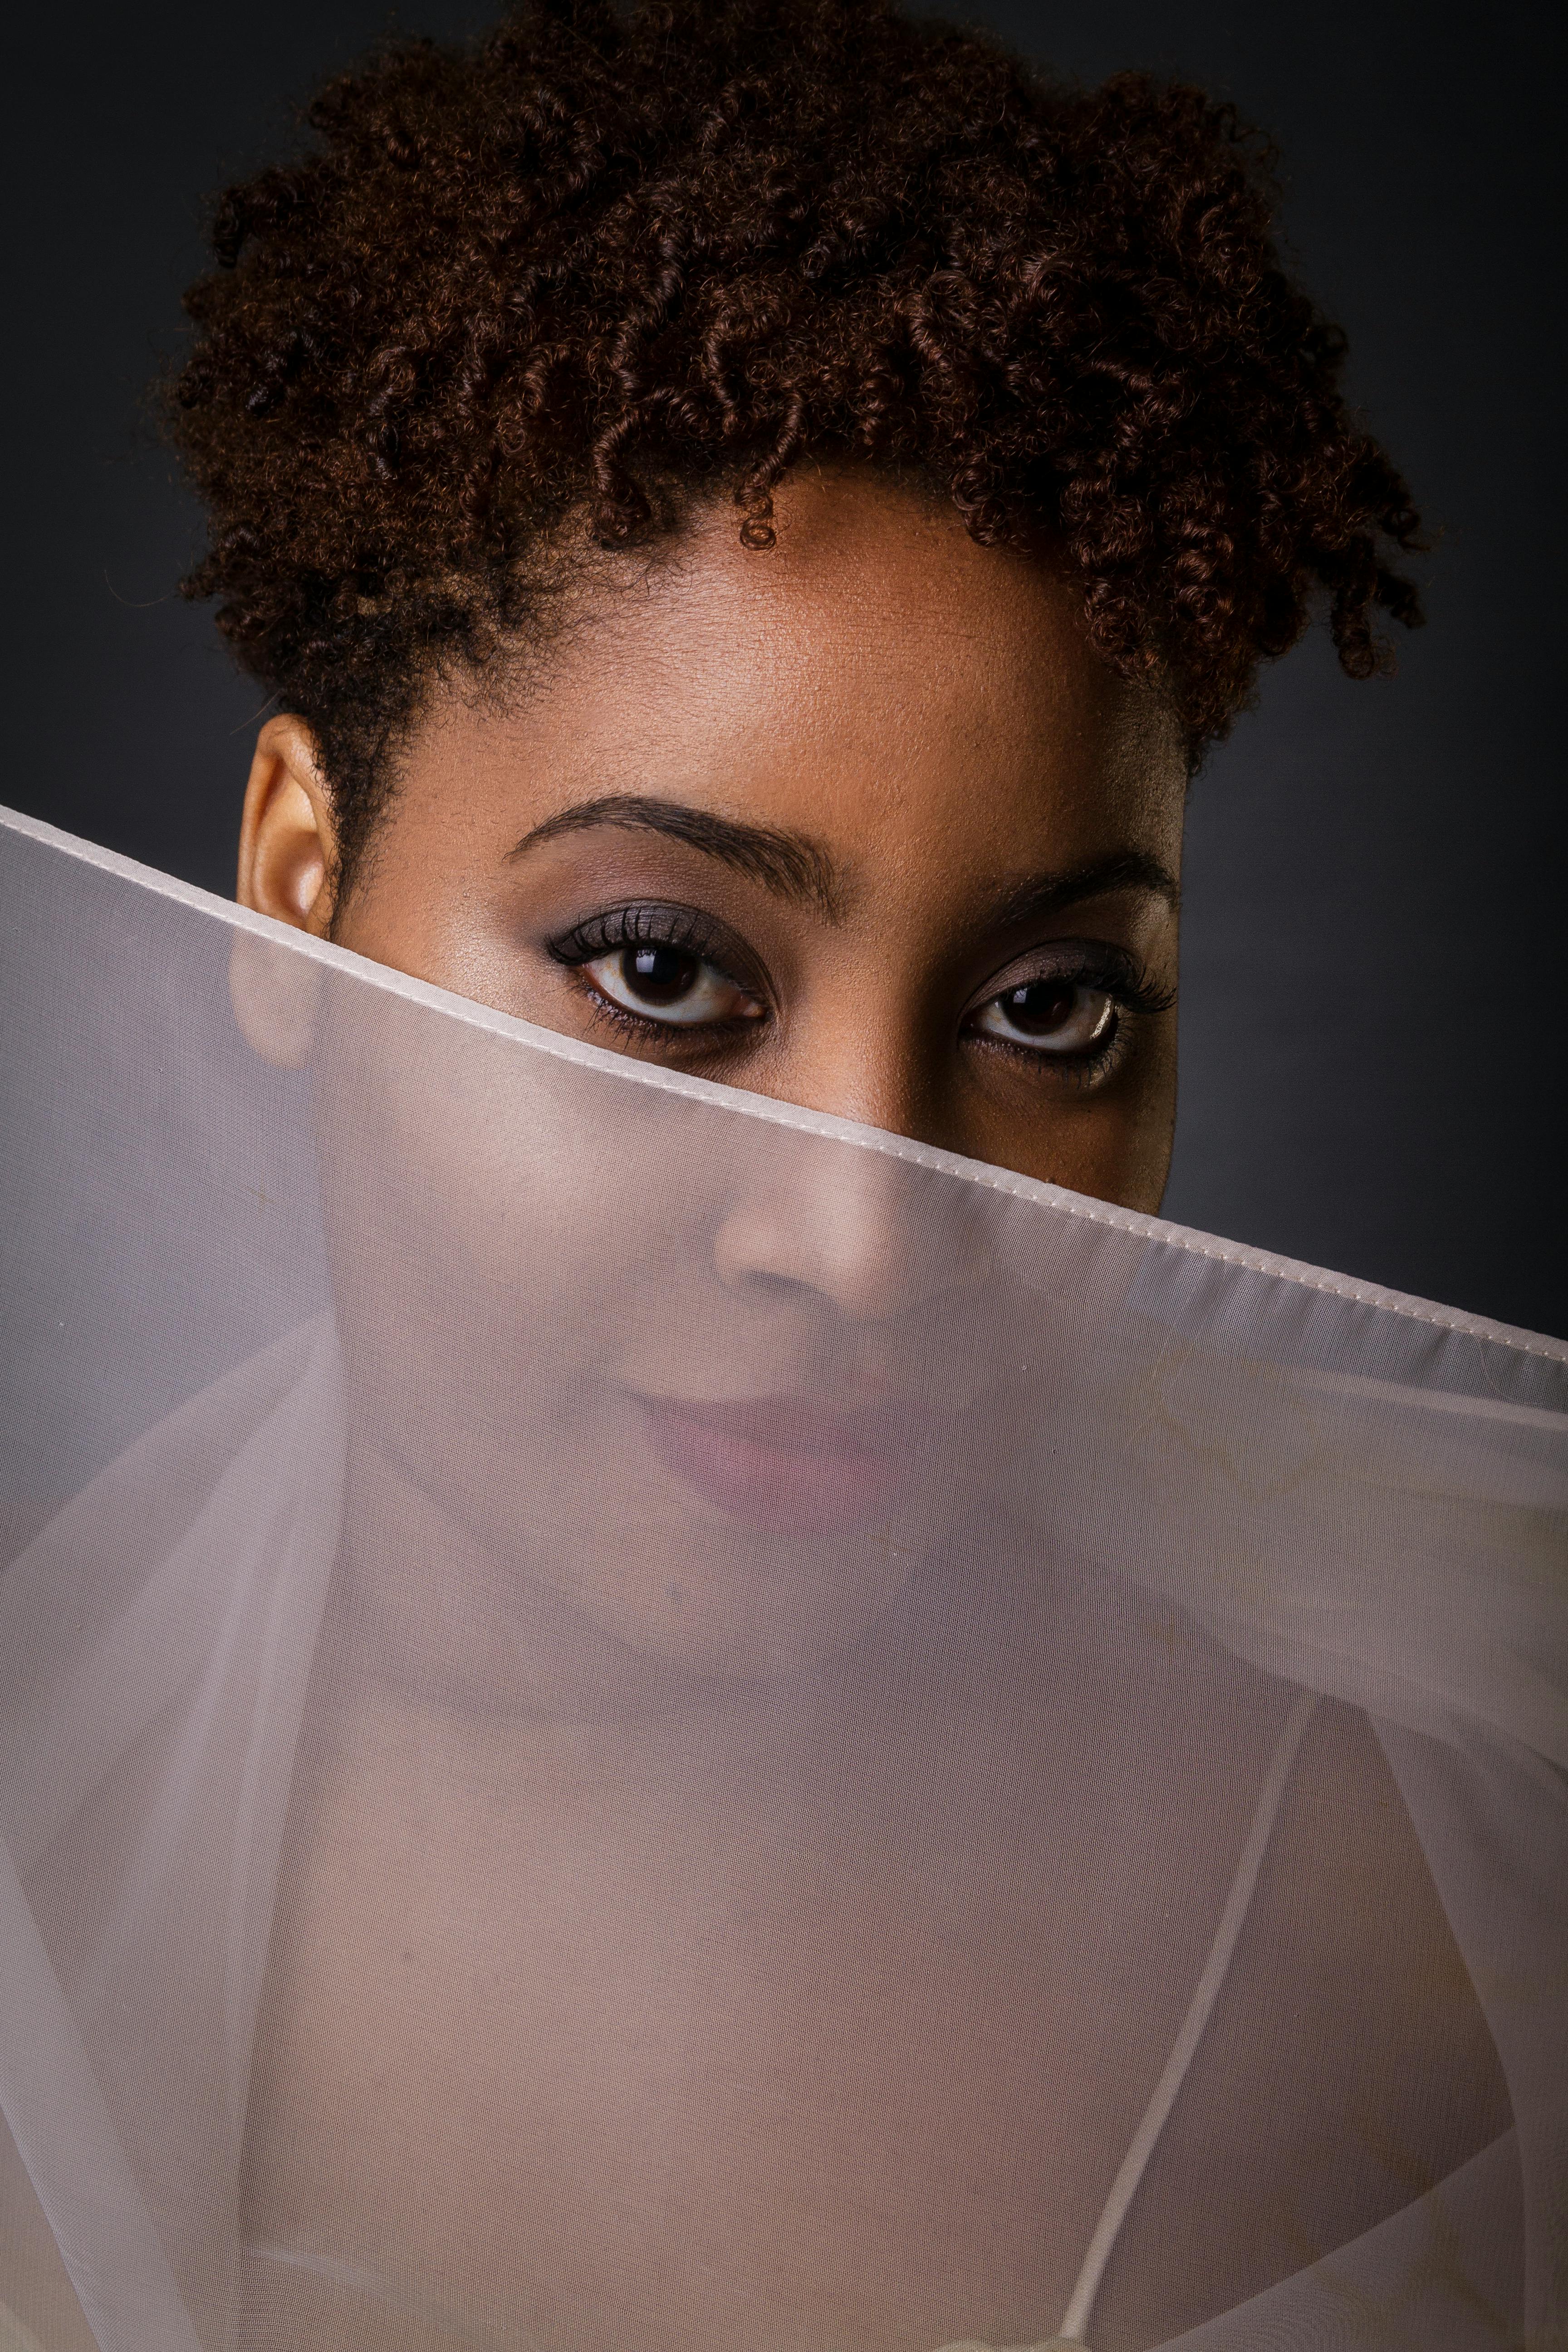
point(288, 838)
point(288, 861)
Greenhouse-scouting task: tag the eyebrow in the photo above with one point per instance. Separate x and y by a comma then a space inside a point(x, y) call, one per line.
point(1047, 894)
point(794, 866)
point(789, 865)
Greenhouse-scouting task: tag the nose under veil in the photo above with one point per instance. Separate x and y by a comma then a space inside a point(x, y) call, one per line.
point(631, 1717)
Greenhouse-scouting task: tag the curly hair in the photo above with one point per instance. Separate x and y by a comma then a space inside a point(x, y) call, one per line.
point(543, 286)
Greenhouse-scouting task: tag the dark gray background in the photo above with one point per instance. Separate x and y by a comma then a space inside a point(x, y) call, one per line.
point(1375, 990)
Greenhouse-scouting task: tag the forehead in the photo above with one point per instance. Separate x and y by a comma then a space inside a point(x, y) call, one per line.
point(874, 676)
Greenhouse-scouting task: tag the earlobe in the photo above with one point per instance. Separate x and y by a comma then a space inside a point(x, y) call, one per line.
point(275, 987)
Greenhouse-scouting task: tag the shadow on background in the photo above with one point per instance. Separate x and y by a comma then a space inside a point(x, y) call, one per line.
point(1374, 1003)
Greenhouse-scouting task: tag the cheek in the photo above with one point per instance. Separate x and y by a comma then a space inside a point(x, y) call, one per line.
point(524, 1250)
point(1133, 1159)
point(1113, 1145)
point(475, 1206)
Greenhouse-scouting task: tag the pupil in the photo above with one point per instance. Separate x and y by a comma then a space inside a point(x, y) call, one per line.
point(1041, 1005)
point(660, 975)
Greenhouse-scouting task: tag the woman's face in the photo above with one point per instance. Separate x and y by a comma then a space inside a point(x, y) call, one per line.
point(860, 823)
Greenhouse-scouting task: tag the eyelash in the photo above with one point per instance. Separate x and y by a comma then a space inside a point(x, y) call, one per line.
point(1109, 972)
point(647, 926)
point(1107, 969)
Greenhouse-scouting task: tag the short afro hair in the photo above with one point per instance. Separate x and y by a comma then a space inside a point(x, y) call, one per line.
point(542, 285)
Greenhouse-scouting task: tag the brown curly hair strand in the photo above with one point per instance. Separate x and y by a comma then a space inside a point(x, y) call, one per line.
point(555, 281)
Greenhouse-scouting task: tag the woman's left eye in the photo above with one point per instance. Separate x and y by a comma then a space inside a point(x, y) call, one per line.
point(669, 984)
point(1052, 1016)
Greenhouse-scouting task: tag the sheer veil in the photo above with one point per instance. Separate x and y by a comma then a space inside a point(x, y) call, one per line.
point(631, 1718)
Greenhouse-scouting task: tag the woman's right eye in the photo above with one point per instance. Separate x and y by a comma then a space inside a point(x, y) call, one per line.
point(670, 985)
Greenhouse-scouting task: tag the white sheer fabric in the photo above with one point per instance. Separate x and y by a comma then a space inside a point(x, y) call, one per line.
point(634, 1719)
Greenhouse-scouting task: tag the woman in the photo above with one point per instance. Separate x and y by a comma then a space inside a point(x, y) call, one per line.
point(768, 1734)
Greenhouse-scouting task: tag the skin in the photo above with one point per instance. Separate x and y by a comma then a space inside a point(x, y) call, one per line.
point(706, 742)
point(616, 1830)
point(921, 720)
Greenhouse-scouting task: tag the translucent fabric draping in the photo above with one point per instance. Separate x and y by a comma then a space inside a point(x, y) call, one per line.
point(634, 1719)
